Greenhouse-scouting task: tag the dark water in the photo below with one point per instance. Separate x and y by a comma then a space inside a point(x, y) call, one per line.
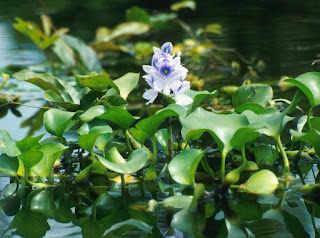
point(284, 34)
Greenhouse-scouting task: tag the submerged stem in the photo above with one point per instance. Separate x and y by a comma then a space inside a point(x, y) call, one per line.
point(244, 159)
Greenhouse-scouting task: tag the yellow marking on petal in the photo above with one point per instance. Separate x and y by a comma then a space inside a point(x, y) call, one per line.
point(165, 71)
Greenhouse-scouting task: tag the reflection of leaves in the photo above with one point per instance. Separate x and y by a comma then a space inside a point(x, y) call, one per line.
point(29, 224)
point(268, 228)
point(34, 122)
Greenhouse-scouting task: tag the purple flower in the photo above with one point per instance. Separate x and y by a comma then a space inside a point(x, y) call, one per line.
point(166, 75)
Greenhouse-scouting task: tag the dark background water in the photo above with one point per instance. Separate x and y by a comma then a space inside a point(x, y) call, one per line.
point(283, 33)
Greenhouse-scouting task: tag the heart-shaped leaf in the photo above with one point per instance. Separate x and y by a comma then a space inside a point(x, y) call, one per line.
point(30, 158)
point(51, 152)
point(96, 82)
point(29, 143)
point(222, 127)
point(56, 121)
point(9, 165)
point(127, 83)
point(42, 201)
point(115, 162)
point(309, 84)
point(253, 93)
point(7, 145)
point(87, 55)
point(312, 137)
point(149, 126)
point(198, 97)
point(183, 166)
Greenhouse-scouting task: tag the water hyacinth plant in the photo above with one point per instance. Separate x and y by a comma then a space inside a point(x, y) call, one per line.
point(165, 75)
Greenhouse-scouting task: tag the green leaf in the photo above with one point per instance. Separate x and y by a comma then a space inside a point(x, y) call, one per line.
point(198, 97)
point(244, 136)
point(96, 82)
point(34, 33)
point(262, 182)
point(9, 165)
point(87, 55)
point(56, 121)
point(221, 127)
point(29, 143)
point(312, 137)
point(29, 224)
point(251, 106)
point(10, 204)
point(137, 14)
point(51, 152)
point(247, 210)
point(271, 123)
point(30, 158)
point(64, 53)
point(114, 161)
point(126, 29)
point(149, 126)
point(189, 223)
point(95, 133)
point(131, 223)
point(5, 78)
point(177, 201)
point(42, 201)
point(213, 28)
point(91, 229)
point(162, 137)
point(8, 145)
point(309, 84)
point(253, 93)
point(294, 226)
point(183, 4)
point(183, 166)
point(264, 155)
point(57, 89)
point(127, 83)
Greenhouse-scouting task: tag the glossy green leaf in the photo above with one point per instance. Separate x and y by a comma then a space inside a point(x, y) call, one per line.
point(247, 210)
point(294, 226)
point(130, 223)
point(7, 145)
point(162, 137)
point(64, 53)
point(114, 161)
point(265, 155)
point(95, 133)
point(127, 83)
point(189, 222)
point(29, 143)
point(83, 174)
point(149, 126)
point(271, 123)
point(63, 92)
point(51, 152)
point(183, 166)
point(34, 33)
point(252, 93)
point(309, 84)
point(251, 106)
point(30, 158)
point(29, 224)
point(198, 97)
point(87, 55)
point(221, 127)
point(9, 165)
point(5, 78)
point(91, 229)
point(96, 82)
point(10, 204)
point(104, 205)
point(118, 116)
point(183, 4)
point(56, 121)
point(137, 14)
point(126, 29)
point(312, 137)
point(244, 136)
point(177, 201)
point(262, 182)
point(42, 201)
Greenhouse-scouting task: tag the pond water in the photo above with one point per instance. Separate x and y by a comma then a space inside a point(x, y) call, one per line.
point(283, 34)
